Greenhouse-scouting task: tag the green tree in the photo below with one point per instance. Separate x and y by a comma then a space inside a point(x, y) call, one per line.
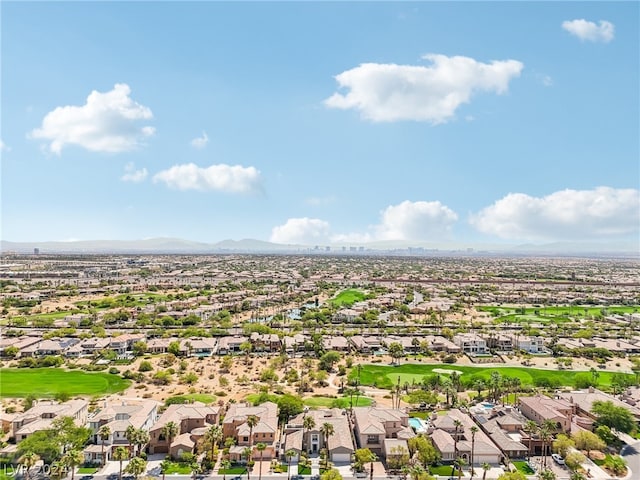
point(512, 476)
point(246, 348)
point(364, 455)
point(327, 429)
point(586, 440)
point(333, 474)
point(613, 416)
point(616, 464)
point(246, 453)
point(72, 459)
point(546, 474)
point(422, 448)
point(136, 467)
point(104, 432)
point(68, 435)
point(261, 447)
point(28, 402)
point(140, 439)
point(474, 430)
point(169, 431)
point(574, 459)
point(225, 464)
point(457, 424)
point(130, 434)
point(606, 434)
point(562, 444)
point(28, 460)
point(120, 454)
point(252, 421)
point(485, 468)
point(289, 454)
point(174, 348)
point(328, 360)
point(213, 436)
point(396, 350)
point(145, 366)
point(289, 406)
point(139, 348)
point(165, 465)
point(307, 424)
point(42, 444)
point(530, 428)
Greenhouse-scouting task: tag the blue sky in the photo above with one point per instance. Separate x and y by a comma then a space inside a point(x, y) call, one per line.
point(321, 122)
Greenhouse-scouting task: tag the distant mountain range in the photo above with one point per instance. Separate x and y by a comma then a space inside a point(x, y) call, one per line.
point(177, 245)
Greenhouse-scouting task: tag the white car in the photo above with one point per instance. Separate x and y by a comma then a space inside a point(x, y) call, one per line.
point(557, 458)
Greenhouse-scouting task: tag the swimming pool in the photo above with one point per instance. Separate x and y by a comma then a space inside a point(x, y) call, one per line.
point(417, 424)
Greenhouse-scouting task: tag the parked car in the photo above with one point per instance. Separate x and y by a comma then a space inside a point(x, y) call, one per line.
point(557, 458)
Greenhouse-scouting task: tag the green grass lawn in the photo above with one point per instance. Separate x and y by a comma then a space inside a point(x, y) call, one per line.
point(442, 470)
point(232, 471)
point(342, 402)
point(523, 467)
point(194, 397)
point(320, 402)
point(385, 376)
point(304, 470)
point(87, 470)
point(179, 468)
point(46, 382)
point(348, 297)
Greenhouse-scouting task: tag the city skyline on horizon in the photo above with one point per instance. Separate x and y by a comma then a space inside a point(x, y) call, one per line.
point(316, 123)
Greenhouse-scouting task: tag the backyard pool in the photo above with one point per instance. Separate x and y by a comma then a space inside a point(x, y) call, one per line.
point(417, 424)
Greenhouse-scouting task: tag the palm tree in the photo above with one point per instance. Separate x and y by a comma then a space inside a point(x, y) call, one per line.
point(457, 423)
point(136, 467)
point(104, 432)
point(372, 458)
point(289, 454)
point(485, 467)
point(260, 446)
point(130, 435)
point(169, 430)
point(545, 436)
point(548, 427)
point(72, 459)
point(120, 454)
point(226, 465)
point(530, 428)
point(164, 466)
point(140, 439)
point(246, 453)
point(29, 459)
point(474, 430)
point(460, 462)
point(327, 430)
point(307, 424)
point(252, 421)
point(213, 436)
point(546, 474)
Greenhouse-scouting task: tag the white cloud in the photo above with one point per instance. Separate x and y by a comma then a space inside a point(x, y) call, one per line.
point(221, 177)
point(563, 215)
point(415, 221)
point(305, 231)
point(200, 142)
point(585, 30)
point(133, 175)
point(4, 147)
point(424, 221)
point(390, 92)
point(107, 122)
